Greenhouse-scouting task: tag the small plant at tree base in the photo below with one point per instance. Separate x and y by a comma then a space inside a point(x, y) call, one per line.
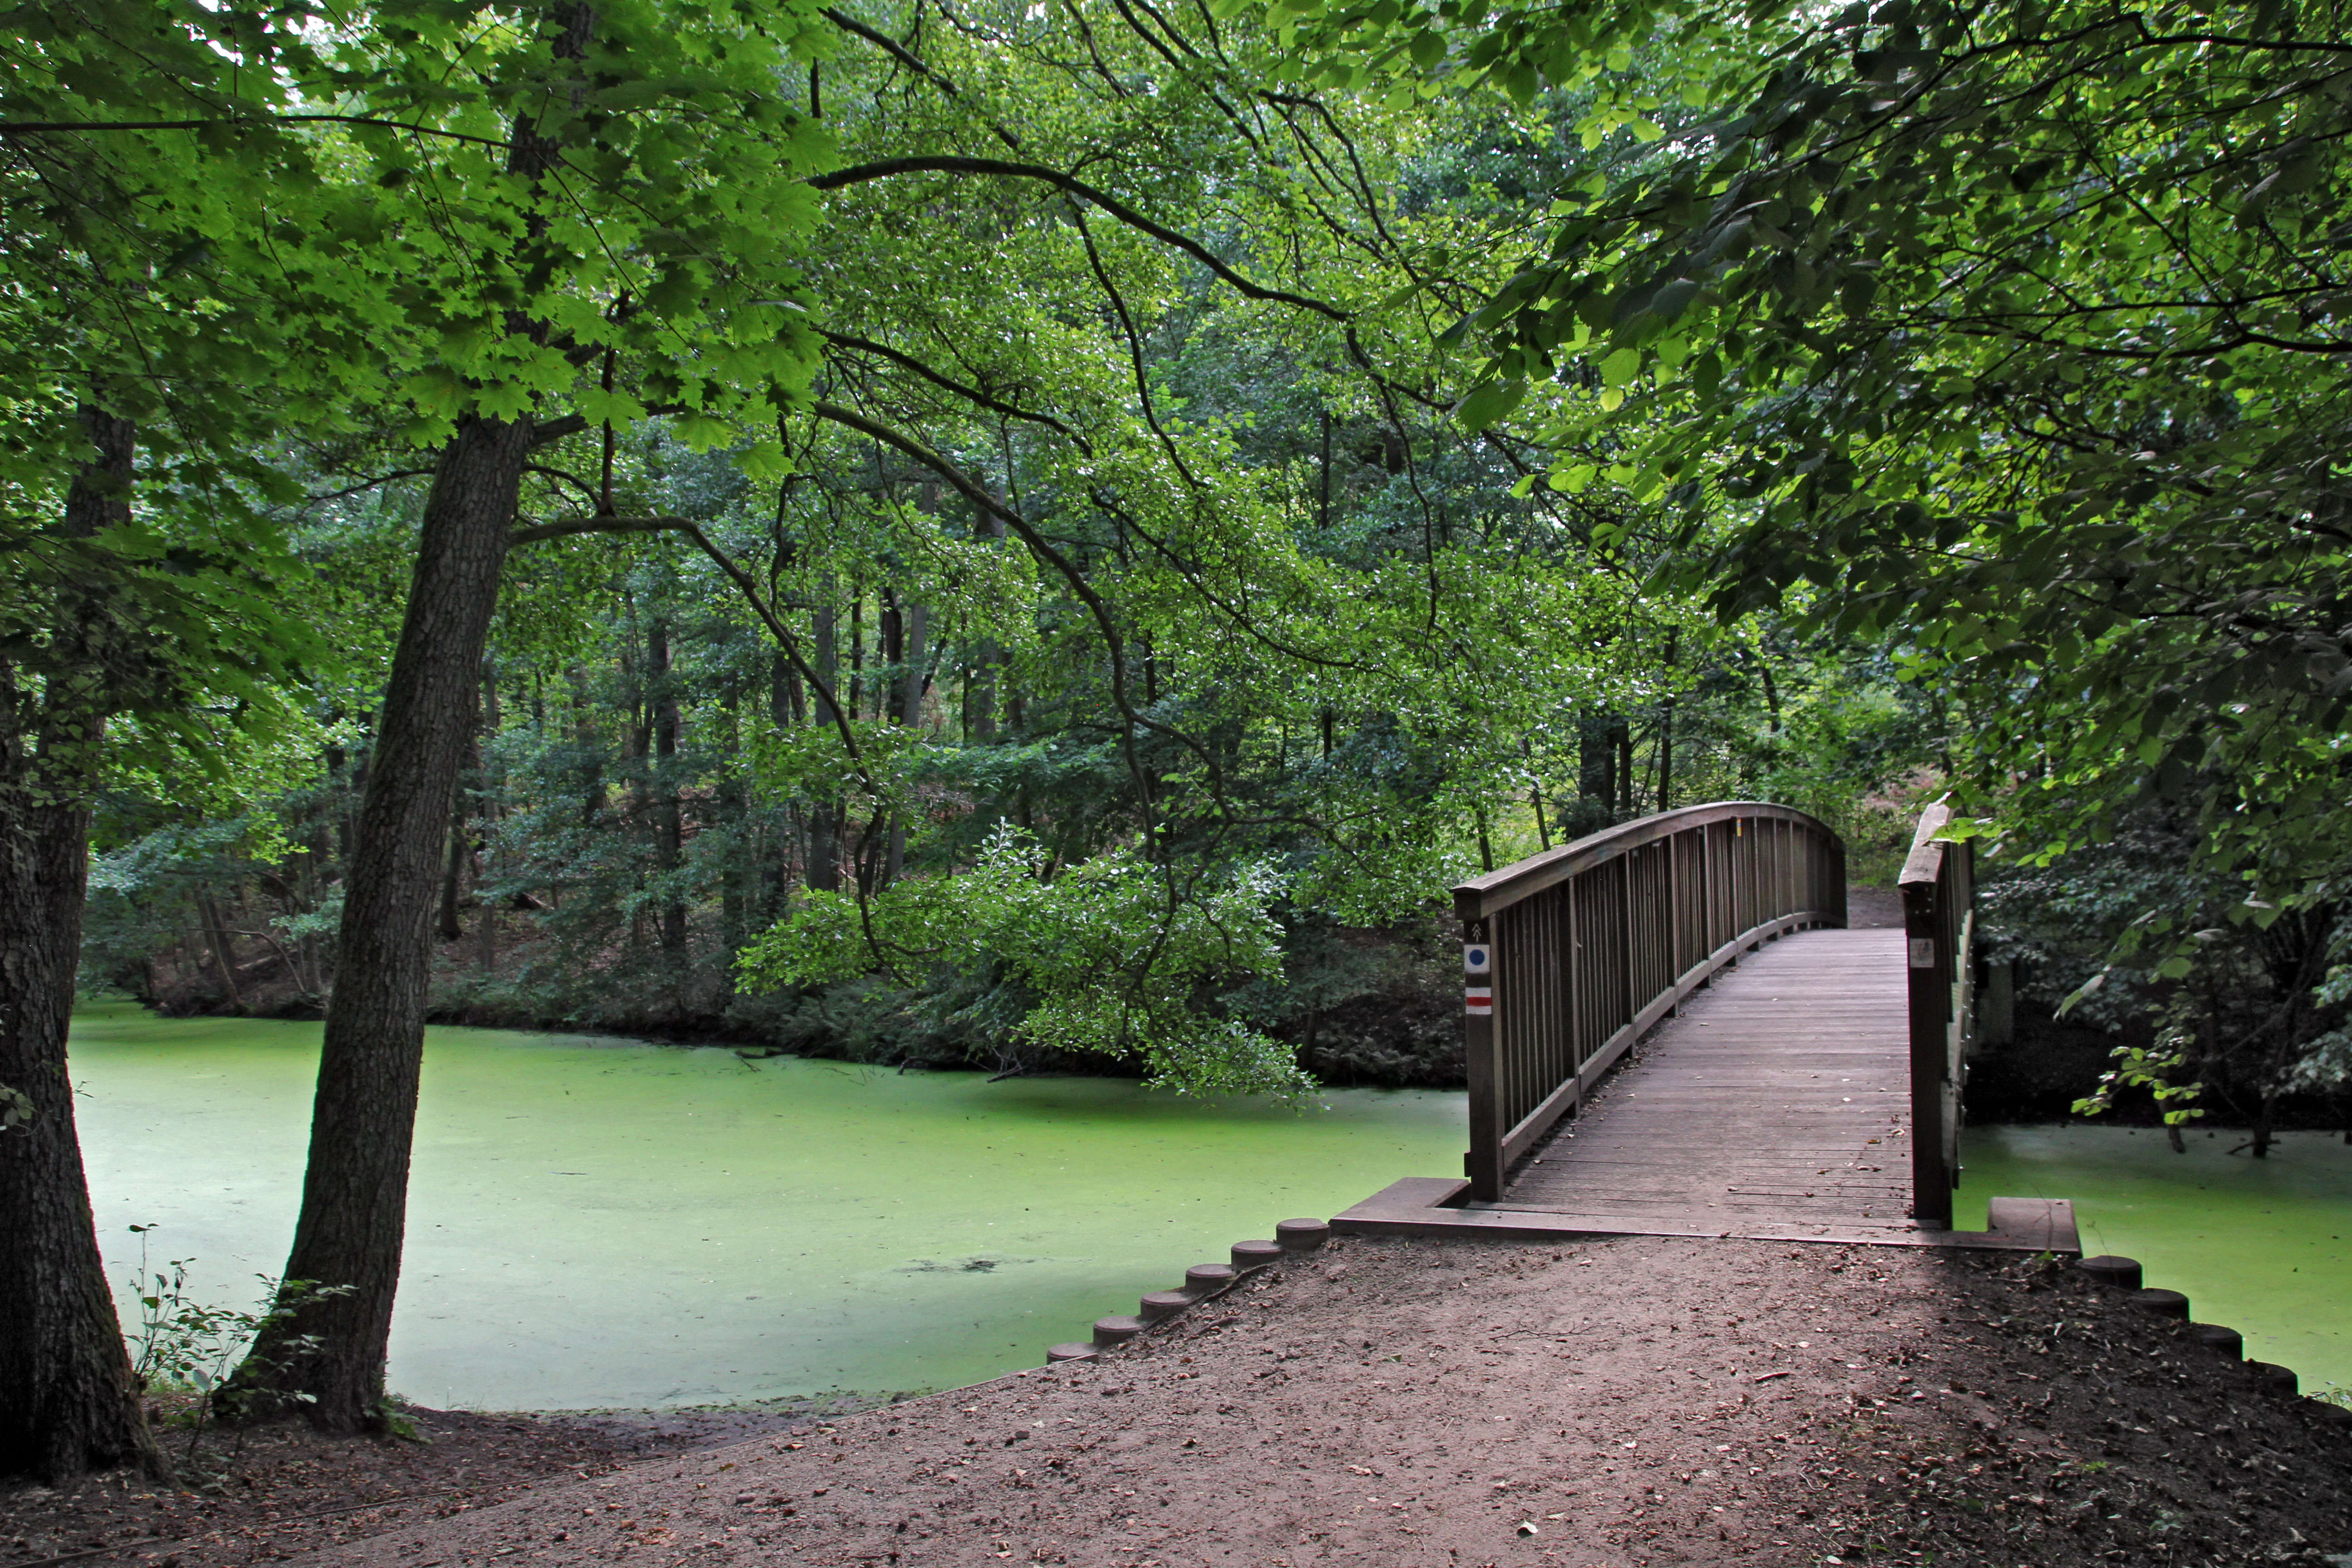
point(182, 1343)
point(397, 1423)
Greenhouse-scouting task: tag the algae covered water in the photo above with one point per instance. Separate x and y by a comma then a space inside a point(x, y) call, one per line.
point(603, 1223)
point(2259, 1245)
point(597, 1223)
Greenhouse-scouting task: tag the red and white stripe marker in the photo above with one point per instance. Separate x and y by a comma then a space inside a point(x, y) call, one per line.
point(1477, 979)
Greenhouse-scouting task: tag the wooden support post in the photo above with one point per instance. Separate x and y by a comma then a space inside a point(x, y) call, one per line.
point(1481, 1055)
point(1927, 942)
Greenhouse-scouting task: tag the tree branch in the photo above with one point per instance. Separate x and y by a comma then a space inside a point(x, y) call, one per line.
point(883, 169)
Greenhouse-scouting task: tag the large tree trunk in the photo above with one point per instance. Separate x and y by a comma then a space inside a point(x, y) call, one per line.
point(69, 1401)
point(331, 1347)
point(324, 1352)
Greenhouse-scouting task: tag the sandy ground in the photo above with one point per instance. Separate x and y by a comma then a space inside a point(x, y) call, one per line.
point(1458, 1404)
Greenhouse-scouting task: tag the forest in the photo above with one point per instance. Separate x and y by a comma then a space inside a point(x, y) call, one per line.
point(1046, 538)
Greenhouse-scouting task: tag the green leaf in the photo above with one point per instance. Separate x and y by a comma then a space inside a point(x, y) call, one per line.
point(1488, 402)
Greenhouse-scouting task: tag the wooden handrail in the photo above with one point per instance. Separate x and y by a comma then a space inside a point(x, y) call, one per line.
point(1571, 956)
point(1939, 887)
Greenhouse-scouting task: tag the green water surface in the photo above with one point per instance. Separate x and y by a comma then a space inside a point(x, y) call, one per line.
point(597, 1223)
point(602, 1223)
point(2259, 1245)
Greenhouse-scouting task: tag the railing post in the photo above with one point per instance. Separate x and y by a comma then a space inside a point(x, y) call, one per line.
point(1675, 912)
point(1929, 929)
point(1481, 1047)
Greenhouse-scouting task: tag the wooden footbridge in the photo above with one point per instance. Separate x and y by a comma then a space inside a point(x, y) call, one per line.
point(1672, 1029)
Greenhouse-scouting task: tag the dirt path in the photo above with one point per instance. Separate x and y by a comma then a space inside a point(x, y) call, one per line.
point(264, 1495)
point(1454, 1403)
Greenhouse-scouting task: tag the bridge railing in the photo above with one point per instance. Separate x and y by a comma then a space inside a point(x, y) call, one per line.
point(1939, 929)
point(1572, 955)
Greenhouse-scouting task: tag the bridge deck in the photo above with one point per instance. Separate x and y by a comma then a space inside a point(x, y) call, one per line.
point(1776, 1106)
point(1778, 1102)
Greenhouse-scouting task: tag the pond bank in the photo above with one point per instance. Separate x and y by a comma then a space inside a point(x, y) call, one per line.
point(1606, 1404)
point(2260, 1245)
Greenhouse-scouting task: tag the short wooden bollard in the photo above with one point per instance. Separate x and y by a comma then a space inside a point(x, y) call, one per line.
point(2275, 1378)
point(1162, 1305)
point(1208, 1279)
point(1249, 1254)
point(1109, 1332)
point(2123, 1273)
point(2221, 1341)
point(1302, 1235)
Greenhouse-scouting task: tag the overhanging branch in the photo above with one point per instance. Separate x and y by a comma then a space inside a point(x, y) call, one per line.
point(886, 168)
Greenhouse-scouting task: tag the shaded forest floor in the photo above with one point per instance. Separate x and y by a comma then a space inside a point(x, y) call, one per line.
point(1454, 1403)
point(276, 1491)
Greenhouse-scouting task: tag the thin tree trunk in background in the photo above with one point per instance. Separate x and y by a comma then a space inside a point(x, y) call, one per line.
point(1535, 797)
point(636, 745)
point(737, 889)
point(786, 710)
point(916, 681)
point(1323, 511)
point(1666, 730)
point(1624, 769)
point(670, 818)
point(355, 1187)
point(453, 874)
point(979, 689)
point(487, 796)
point(858, 651)
point(824, 815)
point(589, 747)
point(69, 1403)
point(913, 630)
point(216, 938)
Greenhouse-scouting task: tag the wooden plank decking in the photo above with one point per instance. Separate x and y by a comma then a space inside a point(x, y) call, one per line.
point(1778, 1101)
point(1777, 1106)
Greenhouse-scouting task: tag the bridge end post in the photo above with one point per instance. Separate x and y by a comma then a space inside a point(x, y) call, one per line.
point(1933, 934)
point(1484, 1163)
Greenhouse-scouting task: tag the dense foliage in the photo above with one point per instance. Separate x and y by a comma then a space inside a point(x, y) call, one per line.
point(1167, 555)
point(2009, 334)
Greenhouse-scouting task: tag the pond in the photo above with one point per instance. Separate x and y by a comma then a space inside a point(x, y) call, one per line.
point(595, 1222)
point(599, 1222)
point(2257, 1244)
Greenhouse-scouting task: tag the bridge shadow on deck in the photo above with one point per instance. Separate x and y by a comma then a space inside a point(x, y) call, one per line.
point(1776, 1106)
